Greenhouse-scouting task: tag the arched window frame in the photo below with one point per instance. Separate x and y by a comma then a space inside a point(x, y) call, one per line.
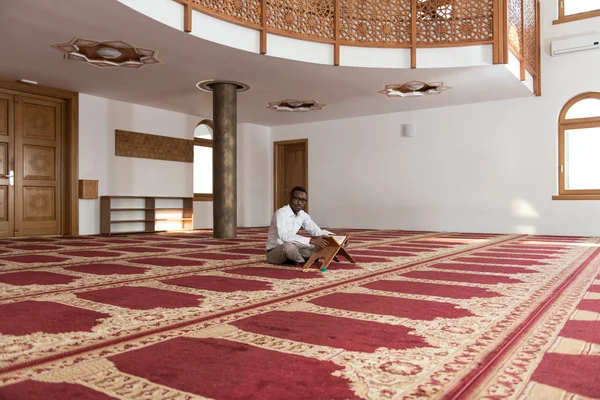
point(203, 143)
point(562, 18)
point(565, 124)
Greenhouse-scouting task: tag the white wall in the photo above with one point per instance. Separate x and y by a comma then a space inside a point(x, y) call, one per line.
point(254, 185)
point(254, 168)
point(489, 167)
point(98, 119)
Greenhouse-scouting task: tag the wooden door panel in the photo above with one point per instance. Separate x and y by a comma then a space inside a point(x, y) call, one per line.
point(38, 162)
point(4, 203)
point(4, 167)
point(294, 167)
point(4, 189)
point(4, 102)
point(39, 203)
point(40, 120)
point(6, 164)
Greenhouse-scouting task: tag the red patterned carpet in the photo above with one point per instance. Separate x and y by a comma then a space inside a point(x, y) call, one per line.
point(422, 315)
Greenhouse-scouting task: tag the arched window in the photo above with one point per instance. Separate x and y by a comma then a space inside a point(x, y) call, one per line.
point(573, 10)
point(203, 161)
point(578, 148)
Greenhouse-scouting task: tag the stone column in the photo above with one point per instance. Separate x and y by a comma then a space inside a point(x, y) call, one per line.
point(224, 159)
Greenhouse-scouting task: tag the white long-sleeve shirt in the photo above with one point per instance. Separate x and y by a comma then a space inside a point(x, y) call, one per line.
point(285, 226)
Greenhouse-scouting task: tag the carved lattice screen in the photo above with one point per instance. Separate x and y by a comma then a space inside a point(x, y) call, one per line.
point(245, 11)
point(306, 18)
point(375, 21)
point(529, 33)
point(515, 28)
point(454, 21)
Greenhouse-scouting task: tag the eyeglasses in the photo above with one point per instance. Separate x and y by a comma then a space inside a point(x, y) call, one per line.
point(299, 199)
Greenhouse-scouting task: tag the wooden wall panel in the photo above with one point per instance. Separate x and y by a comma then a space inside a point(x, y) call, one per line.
point(155, 147)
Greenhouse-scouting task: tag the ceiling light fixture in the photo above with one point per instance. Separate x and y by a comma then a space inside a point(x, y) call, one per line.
point(414, 86)
point(414, 89)
point(108, 54)
point(295, 105)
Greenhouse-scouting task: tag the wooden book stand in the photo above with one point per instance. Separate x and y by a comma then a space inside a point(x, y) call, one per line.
point(329, 253)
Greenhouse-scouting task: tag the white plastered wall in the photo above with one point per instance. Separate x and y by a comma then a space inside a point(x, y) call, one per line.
point(488, 167)
point(127, 176)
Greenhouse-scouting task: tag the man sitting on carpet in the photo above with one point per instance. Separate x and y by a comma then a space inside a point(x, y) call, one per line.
point(284, 245)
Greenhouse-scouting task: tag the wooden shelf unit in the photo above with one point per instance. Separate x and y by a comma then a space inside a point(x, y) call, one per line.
point(138, 214)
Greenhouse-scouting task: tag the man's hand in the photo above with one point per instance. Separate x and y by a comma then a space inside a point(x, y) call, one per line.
point(319, 241)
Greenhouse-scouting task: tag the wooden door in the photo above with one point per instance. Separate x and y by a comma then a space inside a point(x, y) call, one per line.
point(291, 169)
point(30, 157)
point(7, 141)
point(38, 127)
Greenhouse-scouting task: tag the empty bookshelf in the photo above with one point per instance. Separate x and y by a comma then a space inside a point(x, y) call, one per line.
point(136, 214)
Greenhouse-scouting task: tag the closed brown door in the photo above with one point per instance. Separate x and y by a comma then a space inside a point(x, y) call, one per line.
point(30, 171)
point(291, 169)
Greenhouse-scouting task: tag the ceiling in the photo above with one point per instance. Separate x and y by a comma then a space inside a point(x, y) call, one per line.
point(29, 28)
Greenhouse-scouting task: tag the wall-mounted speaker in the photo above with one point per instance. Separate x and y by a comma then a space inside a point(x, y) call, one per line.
point(409, 130)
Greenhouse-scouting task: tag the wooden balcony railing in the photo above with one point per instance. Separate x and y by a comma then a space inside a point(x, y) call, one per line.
point(524, 37)
point(506, 24)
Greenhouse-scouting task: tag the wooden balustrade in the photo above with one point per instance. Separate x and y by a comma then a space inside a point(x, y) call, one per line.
point(508, 25)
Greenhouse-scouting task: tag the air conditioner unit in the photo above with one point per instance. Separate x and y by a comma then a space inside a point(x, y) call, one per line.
point(577, 44)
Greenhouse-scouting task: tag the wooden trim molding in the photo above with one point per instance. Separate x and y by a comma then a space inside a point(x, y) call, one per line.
point(336, 33)
point(203, 142)
point(263, 27)
point(293, 141)
point(576, 197)
point(497, 37)
point(576, 17)
point(413, 34)
point(537, 84)
point(504, 32)
point(203, 197)
point(70, 147)
point(208, 122)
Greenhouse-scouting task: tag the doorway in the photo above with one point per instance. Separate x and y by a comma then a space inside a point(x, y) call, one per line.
point(38, 154)
point(291, 169)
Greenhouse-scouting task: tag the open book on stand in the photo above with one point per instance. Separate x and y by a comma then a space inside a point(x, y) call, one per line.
point(330, 252)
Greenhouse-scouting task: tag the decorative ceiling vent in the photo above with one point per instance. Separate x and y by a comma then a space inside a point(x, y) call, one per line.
point(296, 105)
point(414, 89)
point(108, 54)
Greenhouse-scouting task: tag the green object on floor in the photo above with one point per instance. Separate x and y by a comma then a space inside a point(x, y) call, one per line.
point(323, 269)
